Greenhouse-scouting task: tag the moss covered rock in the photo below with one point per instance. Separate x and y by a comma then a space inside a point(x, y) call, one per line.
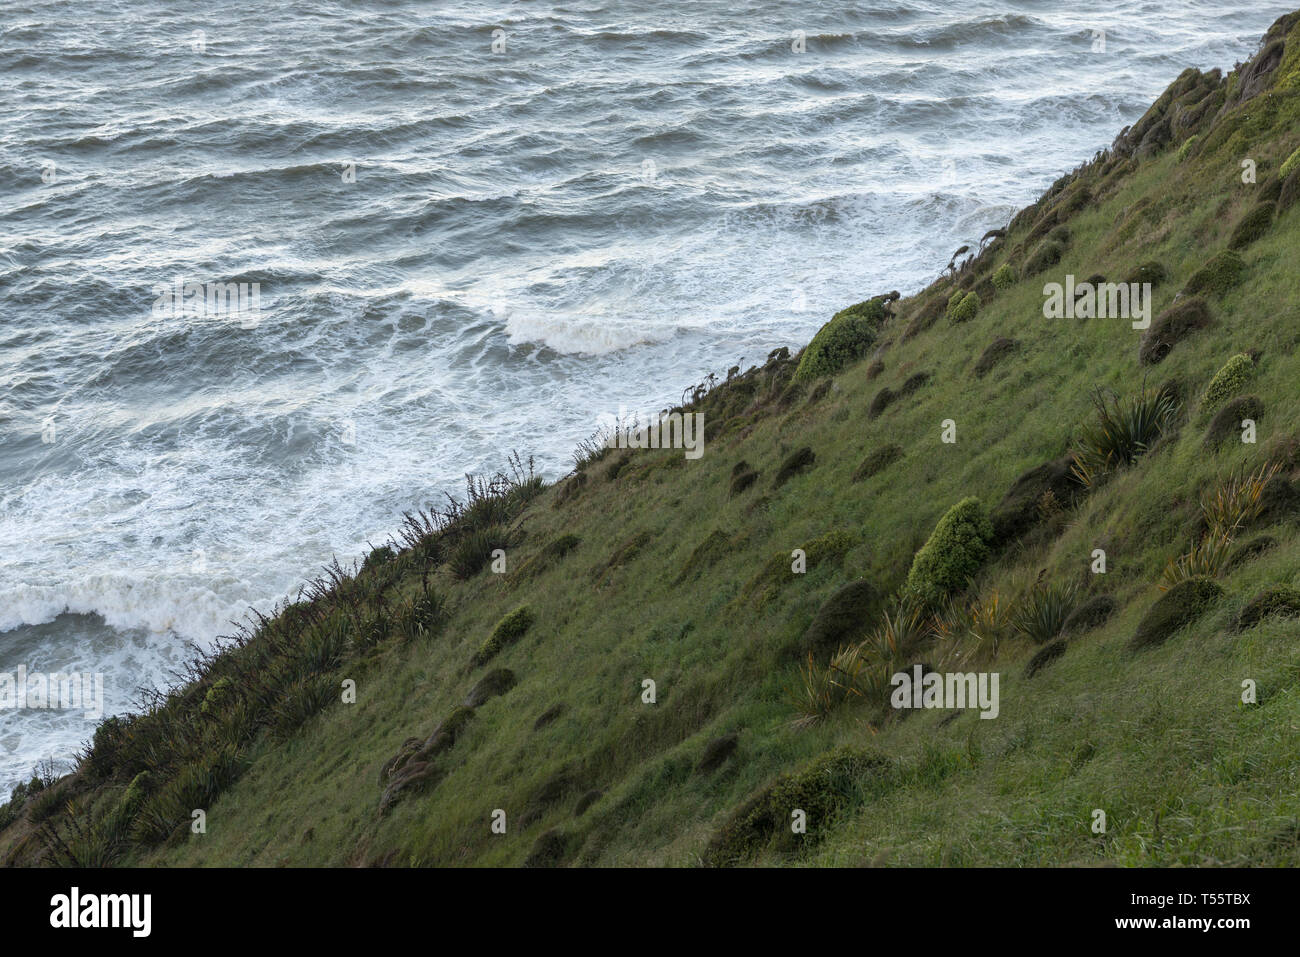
point(955, 551)
point(1178, 607)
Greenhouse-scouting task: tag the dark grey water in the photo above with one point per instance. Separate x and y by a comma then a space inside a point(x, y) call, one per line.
point(459, 250)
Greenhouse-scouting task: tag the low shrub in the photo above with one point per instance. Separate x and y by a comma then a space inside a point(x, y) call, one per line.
point(880, 402)
point(997, 350)
point(715, 546)
point(1123, 431)
point(1171, 327)
point(1175, 609)
point(1093, 613)
point(493, 684)
point(1148, 272)
point(877, 461)
point(1227, 423)
point(848, 337)
point(841, 619)
point(1018, 512)
point(1223, 272)
point(1252, 226)
point(1278, 600)
point(1229, 380)
point(966, 309)
point(1047, 254)
point(955, 551)
point(796, 462)
point(1005, 277)
point(1044, 656)
point(507, 631)
point(1041, 613)
point(473, 551)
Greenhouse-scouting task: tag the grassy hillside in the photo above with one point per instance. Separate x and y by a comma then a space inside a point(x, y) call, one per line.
point(524, 690)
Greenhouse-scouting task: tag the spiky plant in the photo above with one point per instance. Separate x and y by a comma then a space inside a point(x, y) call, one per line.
point(1124, 429)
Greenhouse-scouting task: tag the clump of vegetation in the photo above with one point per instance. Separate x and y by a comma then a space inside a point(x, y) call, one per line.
point(1047, 254)
point(1227, 423)
point(1123, 431)
point(742, 479)
point(551, 554)
point(997, 350)
point(831, 784)
point(1290, 165)
point(1171, 327)
point(717, 751)
point(493, 684)
point(473, 551)
point(1005, 277)
point(380, 555)
point(1020, 510)
point(847, 338)
point(1229, 380)
point(627, 550)
point(826, 549)
point(880, 402)
point(715, 546)
point(796, 462)
point(1252, 226)
point(1041, 614)
point(965, 309)
point(1093, 613)
point(507, 631)
point(1148, 272)
point(1224, 271)
point(1279, 600)
point(1176, 608)
point(843, 617)
point(1044, 656)
point(955, 551)
point(877, 461)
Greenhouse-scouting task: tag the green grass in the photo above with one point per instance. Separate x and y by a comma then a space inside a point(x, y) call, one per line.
point(667, 574)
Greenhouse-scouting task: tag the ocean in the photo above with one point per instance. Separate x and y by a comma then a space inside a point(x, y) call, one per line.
point(457, 230)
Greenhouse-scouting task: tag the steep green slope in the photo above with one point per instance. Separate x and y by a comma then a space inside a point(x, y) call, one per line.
point(1120, 691)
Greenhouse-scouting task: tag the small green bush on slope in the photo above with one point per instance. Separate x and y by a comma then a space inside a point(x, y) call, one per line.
point(848, 337)
point(952, 555)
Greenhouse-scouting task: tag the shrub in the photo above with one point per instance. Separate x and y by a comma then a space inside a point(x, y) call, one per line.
point(1124, 430)
point(1252, 226)
point(1044, 657)
point(717, 751)
point(507, 631)
point(494, 683)
point(776, 571)
point(1149, 271)
point(880, 402)
point(1171, 327)
point(955, 551)
point(302, 700)
point(1289, 192)
point(1247, 552)
point(877, 461)
point(1239, 500)
point(1227, 423)
point(1005, 277)
point(714, 547)
point(842, 618)
point(848, 337)
point(1093, 613)
point(551, 553)
point(997, 350)
point(1041, 614)
point(1205, 560)
point(1221, 273)
point(474, 550)
point(216, 695)
point(1019, 511)
point(1178, 607)
point(1229, 380)
point(1290, 165)
point(167, 813)
point(380, 555)
point(1279, 600)
point(1048, 254)
point(834, 782)
point(742, 481)
point(966, 309)
point(794, 463)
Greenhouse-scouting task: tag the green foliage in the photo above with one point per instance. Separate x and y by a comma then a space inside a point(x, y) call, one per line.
point(1223, 272)
point(1005, 277)
point(474, 550)
point(877, 461)
point(794, 463)
point(965, 309)
point(1123, 430)
point(1176, 608)
point(1281, 601)
point(507, 631)
point(1290, 165)
point(1252, 226)
point(1229, 380)
point(1041, 614)
point(955, 551)
point(215, 697)
point(848, 337)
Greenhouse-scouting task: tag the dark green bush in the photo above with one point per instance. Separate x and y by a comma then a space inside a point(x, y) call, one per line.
point(955, 551)
point(997, 350)
point(1093, 613)
point(1227, 423)
point(494, 683)
point(1229, 380)
point(1005, 277)
point(1181, 605)
point(1279, 600)
point(1220, 274)
point(1044, 656)
point(882, 400)
point(877, 461)
point(796, 462)
point(842, 618)
point(507, 631)
point(1149, 271)
point(1020, 509)
point(1047, 254)
point(1171, 327)
point(473, 551)
point(848, 337)
point(1252, 226)
point(1041, 614)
